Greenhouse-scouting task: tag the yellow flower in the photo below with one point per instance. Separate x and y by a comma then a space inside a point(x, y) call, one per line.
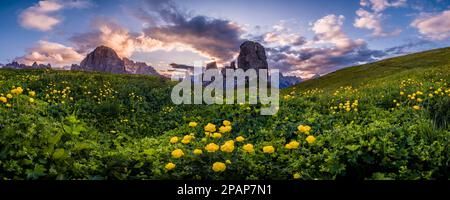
point(174, 140)
point(177, 153)
point(8, 105)
point(225, 129)
point(310, 139)
point(17, 90)
point(216, 135)
point(297, 176)
point(416, 107)
point(219, 167)
point(248, 148)
point(268, 149)
point(211, 147)
point(31, 100)
point(240, 139)
point(198, 151)
point(304, 128)
point(226, 123)
point(192, 124)
point(228, 146)
point(402, 93)
point(210, 128)
point(186, 139)
point(228, 162)
point(31, 93)
point(207, 134)
point(3, 99)
point(9, 96)
point(170, 166)
point(292, 145)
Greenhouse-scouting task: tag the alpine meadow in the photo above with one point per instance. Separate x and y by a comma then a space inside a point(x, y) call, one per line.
point(383, 120)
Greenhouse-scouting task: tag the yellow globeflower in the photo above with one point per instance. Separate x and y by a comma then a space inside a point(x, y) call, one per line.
point(225, 129)
point(186, 139)
point(248, 148)
point(292, 145)
point(216, 135)
point(177, 153)
point(3, 99)
point(173, 140)
point(192, 124)
point(310, 139)
point(304, 128)
point(32, 93)
point(268, 149)
point(416, 107)
point(211, 147)
point(170, 166)
point(198, 151)
point(9, 96)
point(31, 100)
point(297, 176)
point(219, 167)
point(210, 128)
point(226, 123)
point(240, 139)
point(228, 146)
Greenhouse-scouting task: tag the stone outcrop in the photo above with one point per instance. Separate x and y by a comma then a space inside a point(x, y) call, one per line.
point(252, 56)
point(103, 59)
point(132, 67)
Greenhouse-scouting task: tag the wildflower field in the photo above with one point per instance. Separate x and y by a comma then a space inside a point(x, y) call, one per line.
point(386, 120)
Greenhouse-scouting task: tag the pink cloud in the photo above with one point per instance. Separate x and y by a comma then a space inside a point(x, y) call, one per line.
point(434, 26)
point(48, 52)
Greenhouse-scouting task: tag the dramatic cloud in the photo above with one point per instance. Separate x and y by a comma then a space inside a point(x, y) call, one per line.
point(330, 50)
point(111, 34)
point(434, 26)
point(214, 38)
point(372, 21)
point(41, 16)
point(48, 52)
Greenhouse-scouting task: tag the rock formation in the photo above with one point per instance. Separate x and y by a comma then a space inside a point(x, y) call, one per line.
point(138, 68)
point(103, 59)
point(252, 56)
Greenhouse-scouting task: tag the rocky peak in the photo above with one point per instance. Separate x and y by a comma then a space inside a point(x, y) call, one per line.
point(103, 59)
point(252, 56)
point(138, 68)
point(212, 65)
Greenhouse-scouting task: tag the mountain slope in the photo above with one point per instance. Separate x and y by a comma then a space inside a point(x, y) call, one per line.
point(381, 69)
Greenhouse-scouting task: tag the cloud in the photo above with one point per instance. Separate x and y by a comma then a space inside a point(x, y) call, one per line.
point(330, 49)
point(434, 26)
point(109, 33)
point(381, 5)
point(372, 21)
point(48, 52)
point(41, 16)
point(38, 16)
point(211, 37)
point(407, 47)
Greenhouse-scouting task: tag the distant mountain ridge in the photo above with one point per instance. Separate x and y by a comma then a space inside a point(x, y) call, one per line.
point(105, 59)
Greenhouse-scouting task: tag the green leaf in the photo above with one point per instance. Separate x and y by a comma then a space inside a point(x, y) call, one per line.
point(59, 153)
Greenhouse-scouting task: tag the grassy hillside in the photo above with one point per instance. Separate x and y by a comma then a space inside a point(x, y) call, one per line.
point(386, 120)
point(382, 69)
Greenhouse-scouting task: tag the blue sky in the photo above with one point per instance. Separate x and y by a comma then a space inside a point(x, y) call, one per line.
point(302, 37)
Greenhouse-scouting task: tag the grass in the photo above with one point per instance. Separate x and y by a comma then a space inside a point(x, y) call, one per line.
point(384, 120)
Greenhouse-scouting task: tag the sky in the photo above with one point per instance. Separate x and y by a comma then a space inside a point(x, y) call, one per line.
point(302, 37)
